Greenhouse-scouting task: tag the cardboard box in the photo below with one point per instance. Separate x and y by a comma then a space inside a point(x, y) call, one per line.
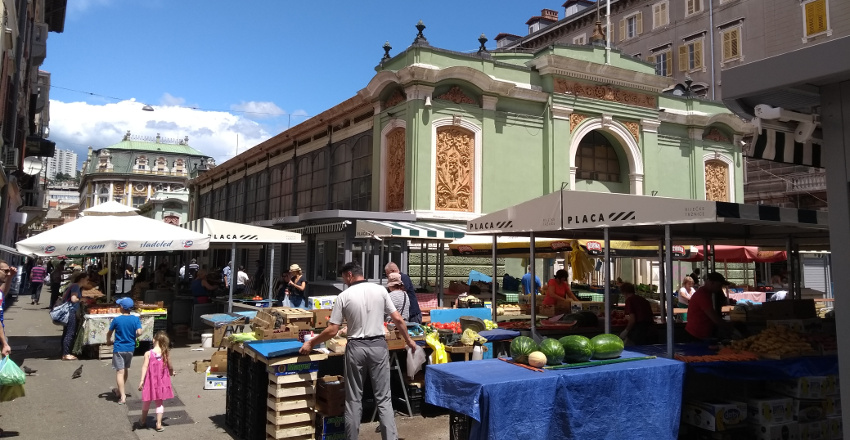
point(218, 362)
point(790, 309)
point(321, 317)
point(201, 366)
point(295, 368)
point(322, 302)
point(556, 310)
point(769, 410)
point(332, 436)
point(818, 430)
point(716, 415)
point(811, 325)
point(287, 332)
point(780, 431)
point(588, 306)
point(809, 410)
point(330, 395)
point(215, 381)
point(809, 387)
point(330, 424)
point(834, 428)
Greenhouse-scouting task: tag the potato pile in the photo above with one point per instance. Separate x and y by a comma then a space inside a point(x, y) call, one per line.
point(774, 341)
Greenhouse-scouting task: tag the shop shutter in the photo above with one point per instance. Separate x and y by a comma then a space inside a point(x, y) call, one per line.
point(622, 29)
point(814, 274)
point(639, 23)
point(683, 58)
point(697, 54)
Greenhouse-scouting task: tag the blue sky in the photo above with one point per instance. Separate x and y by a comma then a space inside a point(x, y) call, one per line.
point(224, 73)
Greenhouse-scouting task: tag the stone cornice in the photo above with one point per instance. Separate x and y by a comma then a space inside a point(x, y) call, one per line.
point(599, 73)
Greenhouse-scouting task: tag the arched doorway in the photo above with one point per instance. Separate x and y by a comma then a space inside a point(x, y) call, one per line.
point(599, 165)
point(624, 142)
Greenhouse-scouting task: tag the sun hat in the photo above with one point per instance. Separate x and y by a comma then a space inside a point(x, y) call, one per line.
point(394, 279)
point(295, 268)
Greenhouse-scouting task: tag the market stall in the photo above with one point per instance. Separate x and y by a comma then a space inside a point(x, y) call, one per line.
point(96, 321)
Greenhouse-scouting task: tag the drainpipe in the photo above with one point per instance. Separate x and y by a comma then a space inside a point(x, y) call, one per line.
point(608, 32)
point(711, 43)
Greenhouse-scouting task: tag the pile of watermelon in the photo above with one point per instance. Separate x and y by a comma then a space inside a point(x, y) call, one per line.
point(571, 349)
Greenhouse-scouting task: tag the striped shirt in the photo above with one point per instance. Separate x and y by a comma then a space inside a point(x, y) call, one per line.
point(37, 274)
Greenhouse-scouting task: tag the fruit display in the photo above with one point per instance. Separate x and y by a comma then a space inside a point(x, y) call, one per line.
point(618, 318)
point(536, 359)
point(521, 347)
point(606, 346)
point(577, 348)
point(553, 350)
point(774, 341)
point(453, 326)
point(723, 355)
point(490, 325)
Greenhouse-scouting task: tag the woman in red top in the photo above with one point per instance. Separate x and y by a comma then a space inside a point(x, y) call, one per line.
point(558, 290)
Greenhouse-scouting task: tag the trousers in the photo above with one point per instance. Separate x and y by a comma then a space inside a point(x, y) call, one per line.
point(69, 333)
point(372, 358)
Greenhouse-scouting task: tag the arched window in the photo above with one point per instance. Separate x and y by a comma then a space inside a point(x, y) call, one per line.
point(597, 159)
point(161, 165)
point(141, 163)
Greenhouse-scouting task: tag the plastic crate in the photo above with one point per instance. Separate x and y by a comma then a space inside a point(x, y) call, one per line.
point(512, 298)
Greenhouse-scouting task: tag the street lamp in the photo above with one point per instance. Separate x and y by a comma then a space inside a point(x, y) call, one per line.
point(147, 108)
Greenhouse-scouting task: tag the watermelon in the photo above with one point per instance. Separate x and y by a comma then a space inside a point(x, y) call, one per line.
point(553, 350)
point(577, 348)
point(606, 346)
point(521, 347)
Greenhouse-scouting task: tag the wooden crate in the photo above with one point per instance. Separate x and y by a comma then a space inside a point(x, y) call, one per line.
point(104, 351)
point(291, 399)
point(295, 316)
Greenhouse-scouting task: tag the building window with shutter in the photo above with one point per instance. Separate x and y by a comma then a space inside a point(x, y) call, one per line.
point(663, 62)
point(660, 15)
point(631, 26)
point(815, 19)
point(692, 7)
point(690, 56)
point(731, 38)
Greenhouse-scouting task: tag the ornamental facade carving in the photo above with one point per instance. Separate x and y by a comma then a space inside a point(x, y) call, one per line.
point(395, 169)
point(396, 98)
point(716, 135)
point(605, 93)
point(716, 181)
point(633, 127)
point(455, 169)
point(457, 96)
point(575, 120)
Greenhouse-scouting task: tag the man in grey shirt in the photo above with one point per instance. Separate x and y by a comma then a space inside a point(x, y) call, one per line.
point(363, 306)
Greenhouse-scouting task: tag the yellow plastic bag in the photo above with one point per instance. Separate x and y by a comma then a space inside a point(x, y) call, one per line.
point(439, 356)
point(9, 393)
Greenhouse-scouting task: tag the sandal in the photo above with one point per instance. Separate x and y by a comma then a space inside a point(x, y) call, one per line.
point(160, 429)
point(69, 357)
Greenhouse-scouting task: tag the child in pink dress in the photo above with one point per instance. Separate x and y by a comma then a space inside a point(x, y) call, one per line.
point(156, 379)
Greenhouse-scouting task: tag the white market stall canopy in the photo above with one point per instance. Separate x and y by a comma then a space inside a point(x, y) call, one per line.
point(409, 230)
point(220, 231)
point(583, 214)
point(112, 227)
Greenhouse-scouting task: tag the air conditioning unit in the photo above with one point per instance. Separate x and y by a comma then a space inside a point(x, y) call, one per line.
point(11, 158)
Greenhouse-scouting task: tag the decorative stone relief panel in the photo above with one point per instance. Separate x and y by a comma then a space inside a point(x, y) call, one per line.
point(457, 96)
point(633, 127)
point(716, 135)
point(395, 169)
point(606, 93)
point(717, 181)
point(576, 120)
point(396, 98)
point(455, 169)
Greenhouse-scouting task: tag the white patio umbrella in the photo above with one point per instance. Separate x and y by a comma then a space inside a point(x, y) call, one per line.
point(112, 227)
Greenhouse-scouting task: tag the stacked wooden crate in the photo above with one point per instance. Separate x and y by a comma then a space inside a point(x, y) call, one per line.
point(292, 397)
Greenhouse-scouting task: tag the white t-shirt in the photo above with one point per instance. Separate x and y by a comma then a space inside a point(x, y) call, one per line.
point(241, 278)
point(684, 295)
point(363, 306)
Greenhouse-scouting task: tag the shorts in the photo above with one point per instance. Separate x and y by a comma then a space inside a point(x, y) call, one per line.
point(121, 360)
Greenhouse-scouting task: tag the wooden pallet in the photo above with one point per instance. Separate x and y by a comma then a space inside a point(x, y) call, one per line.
point(291, 400)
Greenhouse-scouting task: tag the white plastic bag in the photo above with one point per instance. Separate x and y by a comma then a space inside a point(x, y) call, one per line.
point(415, 361)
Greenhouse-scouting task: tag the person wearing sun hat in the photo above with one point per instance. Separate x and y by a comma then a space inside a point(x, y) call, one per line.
point(126, 328)
point(399, 296)
point(704, 321)
point(296, 287)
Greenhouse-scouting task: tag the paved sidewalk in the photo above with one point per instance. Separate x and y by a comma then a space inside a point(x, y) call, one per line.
point(57, 406)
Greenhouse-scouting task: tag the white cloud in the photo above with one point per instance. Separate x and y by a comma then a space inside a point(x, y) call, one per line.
point(169, 99)
point(258, 109)
point(78, 125)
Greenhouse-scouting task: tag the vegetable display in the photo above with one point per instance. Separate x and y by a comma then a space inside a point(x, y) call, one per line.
point(577, 348)
point(521, 347)
point(606, 346)
point(553, 350)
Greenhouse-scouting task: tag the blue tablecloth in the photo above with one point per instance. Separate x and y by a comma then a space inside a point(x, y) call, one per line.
point(635, 400)
point(499, 334)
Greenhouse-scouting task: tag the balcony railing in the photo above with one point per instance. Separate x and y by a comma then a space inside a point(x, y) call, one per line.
point(805, 183)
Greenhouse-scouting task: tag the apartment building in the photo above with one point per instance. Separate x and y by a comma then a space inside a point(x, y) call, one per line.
point(63, 161)
point(692, 42)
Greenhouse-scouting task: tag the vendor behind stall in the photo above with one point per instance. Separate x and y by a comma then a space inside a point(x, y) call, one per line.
point(639, 316)
point(204, 286)
point(559, 292)
point(704, 321)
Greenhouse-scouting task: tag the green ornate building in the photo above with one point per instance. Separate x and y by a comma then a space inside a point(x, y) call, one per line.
point(439, 137)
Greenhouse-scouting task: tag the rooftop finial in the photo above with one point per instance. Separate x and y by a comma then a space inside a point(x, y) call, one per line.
point(420, 38)
point(482, 39)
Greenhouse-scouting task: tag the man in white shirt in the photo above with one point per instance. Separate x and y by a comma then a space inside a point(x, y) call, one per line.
point(363, 306)
point(241, 280)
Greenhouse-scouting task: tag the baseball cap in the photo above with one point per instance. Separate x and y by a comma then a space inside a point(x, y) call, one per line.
point(716, 277)
point(125, 303)
point(394, 279)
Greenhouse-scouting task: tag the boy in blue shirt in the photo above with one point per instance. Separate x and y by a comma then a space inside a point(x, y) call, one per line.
point(126, 329)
